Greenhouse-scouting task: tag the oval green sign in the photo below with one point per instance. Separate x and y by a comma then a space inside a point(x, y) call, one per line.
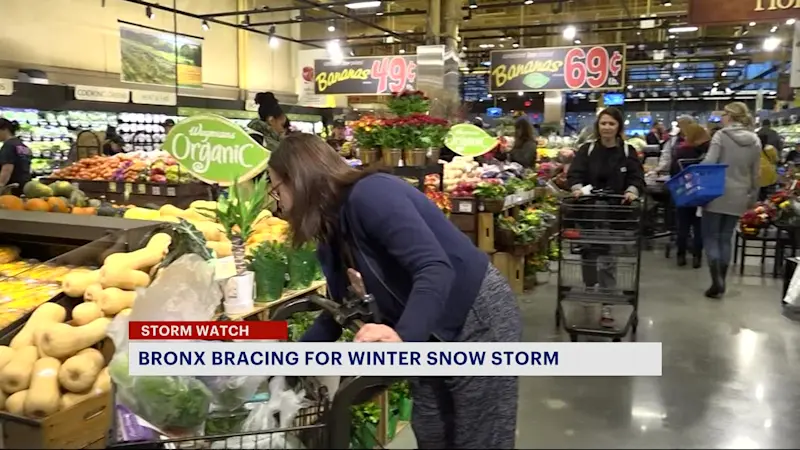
point(216, 150)
point(466, 139)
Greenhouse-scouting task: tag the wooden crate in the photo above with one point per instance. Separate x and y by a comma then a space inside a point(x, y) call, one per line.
point(81, 426)
point(513, 268)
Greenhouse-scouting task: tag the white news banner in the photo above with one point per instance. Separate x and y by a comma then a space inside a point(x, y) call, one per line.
point(393, 359)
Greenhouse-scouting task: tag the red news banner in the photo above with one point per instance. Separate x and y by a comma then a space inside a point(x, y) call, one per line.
point(208, 331)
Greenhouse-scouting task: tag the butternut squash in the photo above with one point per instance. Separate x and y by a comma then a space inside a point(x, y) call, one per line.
point(125, 312)
point(16, 375)
point(79, 372)
point(45, 314)
point(6, 354)
point(222, 249)
point(114, 300)
point(62, 340)
point(142, 259)
point(211, 231)
point(100, 387)
point(15, 403)
point(85, 313)
point(160, 241)
point(75, 283)
point(93, 292)
point(126, 279)
point(43, 397)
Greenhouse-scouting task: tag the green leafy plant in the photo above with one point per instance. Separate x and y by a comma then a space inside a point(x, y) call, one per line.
point(489, 191)
point(364, 413)
point(299, 323)
point(237, 213)
point(269, 262)
point(408, 102)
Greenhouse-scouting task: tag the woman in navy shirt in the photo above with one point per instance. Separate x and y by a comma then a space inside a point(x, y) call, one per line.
point(428, 279)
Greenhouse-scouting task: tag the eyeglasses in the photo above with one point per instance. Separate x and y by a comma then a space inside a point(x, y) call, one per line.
point(273, 192)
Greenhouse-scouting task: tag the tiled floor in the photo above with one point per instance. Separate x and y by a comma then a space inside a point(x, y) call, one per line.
point(731, 372)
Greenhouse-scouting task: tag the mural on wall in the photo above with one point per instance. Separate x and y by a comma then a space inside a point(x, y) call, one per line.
point(151, 56)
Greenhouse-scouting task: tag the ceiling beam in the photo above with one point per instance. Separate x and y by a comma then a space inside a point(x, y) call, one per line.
point(354, 18)
point(409, 12)
point(267, 9)
point(216, 21)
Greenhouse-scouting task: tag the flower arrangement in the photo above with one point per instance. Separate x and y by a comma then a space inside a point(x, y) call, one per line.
point(366, 131)
point(759, 217)
point(441, 200)
point(407, 102)
point(490, 189)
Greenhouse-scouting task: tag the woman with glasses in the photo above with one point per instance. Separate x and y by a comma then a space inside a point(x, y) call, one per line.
point(738, 147)
point(430, 283)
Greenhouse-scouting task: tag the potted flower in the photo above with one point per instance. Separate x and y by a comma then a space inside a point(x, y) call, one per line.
point(539, 263)
point(269, 264)
point(505, 233)
point(491, 194)
point(408, 102)
point(365, 419)
point(393, 138)
point(366, 133)
point(753, 220)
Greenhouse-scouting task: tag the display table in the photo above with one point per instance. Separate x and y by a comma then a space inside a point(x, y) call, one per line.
point(261, 310)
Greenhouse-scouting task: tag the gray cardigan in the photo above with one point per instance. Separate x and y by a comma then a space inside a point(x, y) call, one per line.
point(740, 149)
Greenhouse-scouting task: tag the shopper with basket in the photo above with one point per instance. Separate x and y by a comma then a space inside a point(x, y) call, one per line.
point(739, 148)
point(377, 233)
point(611, 166)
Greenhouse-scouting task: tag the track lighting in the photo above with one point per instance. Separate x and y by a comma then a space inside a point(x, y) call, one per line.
point(791, 21)
point(771, 44)
point(273, 41)
point(246, 20)
point(473, 4)
point(515, 45)
point(149, 12)
point(666, 3)
point(570, 32)
point(205, 25)
point(528, 2)
point(732, 62)
point(739, 46)
point(331, 26)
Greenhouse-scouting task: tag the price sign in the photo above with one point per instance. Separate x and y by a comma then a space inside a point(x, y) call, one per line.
point(128, 188)
point(367, 75)
point(141, 189)
point(112, 187)
point(170, 191)
point(600, 67)
point(156, 190)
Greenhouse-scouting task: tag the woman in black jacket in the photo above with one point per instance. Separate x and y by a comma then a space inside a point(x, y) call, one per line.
point(607, 164)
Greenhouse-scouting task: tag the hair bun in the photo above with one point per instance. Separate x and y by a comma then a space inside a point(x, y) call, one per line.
point(265, 98)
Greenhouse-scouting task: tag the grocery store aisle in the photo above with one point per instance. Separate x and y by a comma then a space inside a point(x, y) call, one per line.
point(731, 369)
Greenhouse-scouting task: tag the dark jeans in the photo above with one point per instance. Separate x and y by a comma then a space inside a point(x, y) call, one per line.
point(688, 221)
point(717, 236)
point(599, 267)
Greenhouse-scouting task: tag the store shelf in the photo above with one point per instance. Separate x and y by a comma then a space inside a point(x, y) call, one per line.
point(143, 193)
point(261, 310)
point(65, 226)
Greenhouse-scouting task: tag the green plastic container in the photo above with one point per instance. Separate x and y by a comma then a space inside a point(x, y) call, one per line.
point(270, 278)
point(302, 268)
point(405, 409)
point(364, 436)
point(391, 427)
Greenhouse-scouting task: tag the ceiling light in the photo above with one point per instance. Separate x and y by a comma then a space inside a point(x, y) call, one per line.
point(658, 80)
point(332, 26)
point(773, 29)
point(577, 41)
point(464, 48)
point(520, 93)
point(473, 4)
point(246, 21)
point(515, 45)
point(724, 74)
point(716, 84)
point(489, 95)
point(676, 65)
point(205, 25)
point(334, 51)
point(672, 36)
point(363, 5)
point(671, 80)
point(687, 29)
point(681, 78)
point(528, 2)
point(379, 13)
point(771, 44)
point(149, 12)
point(791, 21)
point(739, 46)
point(630, 86)
point(273, 41)
point(402, 51)
point(666, 3)
point(352, 53)
point(732, 62)
point(638, 33)
point(570, 32)
point(752, 24)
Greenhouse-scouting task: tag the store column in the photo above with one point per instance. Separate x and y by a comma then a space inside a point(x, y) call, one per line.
point(437, 65)
point(554, 107)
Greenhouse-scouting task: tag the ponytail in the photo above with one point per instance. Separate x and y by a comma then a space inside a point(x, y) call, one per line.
point(11, 126)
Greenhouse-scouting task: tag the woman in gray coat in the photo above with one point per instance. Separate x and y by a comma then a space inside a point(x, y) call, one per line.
point(739, 148)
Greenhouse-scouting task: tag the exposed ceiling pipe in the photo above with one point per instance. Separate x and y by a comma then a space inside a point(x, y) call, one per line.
point(356, 18)
point(267, 9)
point(216, 21)
point(410, 12)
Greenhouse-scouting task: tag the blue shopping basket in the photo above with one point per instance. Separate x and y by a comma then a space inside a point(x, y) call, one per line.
point(698, 184)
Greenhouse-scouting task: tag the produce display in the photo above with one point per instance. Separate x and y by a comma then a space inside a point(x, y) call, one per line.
point(151, 167)
point(464, 177)
point(59, 197)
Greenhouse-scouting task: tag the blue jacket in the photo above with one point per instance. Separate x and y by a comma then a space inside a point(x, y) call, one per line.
point(403, 245)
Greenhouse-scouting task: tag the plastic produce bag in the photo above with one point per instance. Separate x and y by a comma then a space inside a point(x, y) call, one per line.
point(186, 291)
point(230, 393)
point(286, 404)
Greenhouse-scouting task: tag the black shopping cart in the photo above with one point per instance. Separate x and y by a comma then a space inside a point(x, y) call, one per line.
point(324, 424)
point(600, 242)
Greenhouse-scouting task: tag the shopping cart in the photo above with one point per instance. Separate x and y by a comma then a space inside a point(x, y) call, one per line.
point(324, 424)
point(600, 242)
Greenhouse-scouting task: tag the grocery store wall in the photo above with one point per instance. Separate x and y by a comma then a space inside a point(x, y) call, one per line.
point(77, 42)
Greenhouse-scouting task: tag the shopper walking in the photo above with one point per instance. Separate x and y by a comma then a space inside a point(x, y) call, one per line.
point(607, 164)
point(736, 146)
point(766, 133)
point(428, 279)
point(690, 151)
point(15, 158)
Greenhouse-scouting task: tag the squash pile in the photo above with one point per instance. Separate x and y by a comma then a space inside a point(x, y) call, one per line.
point(51, 365)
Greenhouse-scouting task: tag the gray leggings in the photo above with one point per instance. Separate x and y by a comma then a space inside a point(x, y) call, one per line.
point(473, 412)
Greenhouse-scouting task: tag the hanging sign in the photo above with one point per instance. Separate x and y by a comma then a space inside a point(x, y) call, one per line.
point(707, 12)
point(368, 75)
point(466, 139)
point(102, 94)
point(558, 68)
point(216, 150)
point(152, 56)
point(6, 86)
point(154, 98)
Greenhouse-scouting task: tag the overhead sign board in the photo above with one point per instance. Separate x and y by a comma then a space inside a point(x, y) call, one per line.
point(707, 12)
point(154, 98)
point(216, 150)
point(6, 86)
point(371, 75)
point(102, 94)
point(600, 67)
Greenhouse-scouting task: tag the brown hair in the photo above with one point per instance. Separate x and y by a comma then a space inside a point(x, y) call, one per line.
point(317, 177)
point(615, 114)
point(695, 134)
point(523, 132)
